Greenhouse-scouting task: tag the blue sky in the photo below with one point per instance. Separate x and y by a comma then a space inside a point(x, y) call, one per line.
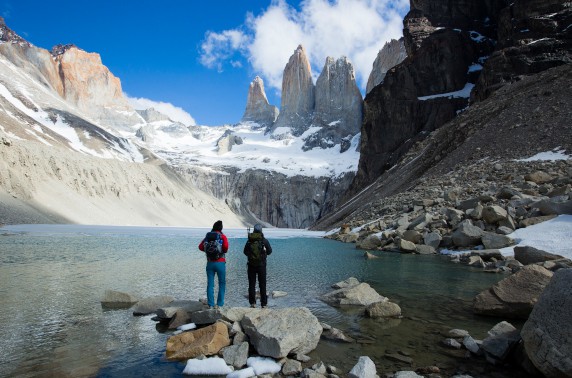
point(201, 56)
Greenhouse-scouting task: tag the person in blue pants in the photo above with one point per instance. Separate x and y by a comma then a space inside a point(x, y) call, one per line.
point(215, 246)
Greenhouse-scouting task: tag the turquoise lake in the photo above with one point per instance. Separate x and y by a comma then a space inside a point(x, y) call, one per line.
point(52, 278)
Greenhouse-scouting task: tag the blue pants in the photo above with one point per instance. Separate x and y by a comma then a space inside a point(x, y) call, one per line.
point(220, 269)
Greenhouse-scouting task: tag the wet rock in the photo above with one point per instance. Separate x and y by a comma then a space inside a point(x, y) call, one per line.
point(150, 305)
point(358, 295)
point(364, 368)
point(516, 295)
point(546, 333)
point(352, 281)
point(205, 341)
point(501, 339)
point(336, 334)
point(385, 309)
point(118, 299)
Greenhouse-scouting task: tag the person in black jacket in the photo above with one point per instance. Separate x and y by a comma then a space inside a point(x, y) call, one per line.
point(257, 248)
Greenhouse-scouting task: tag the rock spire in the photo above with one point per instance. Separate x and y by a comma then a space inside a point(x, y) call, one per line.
point(392, 53)
point(258, 109)
point(298, 97)
point(339, 105)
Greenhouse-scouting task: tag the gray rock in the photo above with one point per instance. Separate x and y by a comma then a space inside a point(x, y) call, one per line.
point(383, 309)
point(369, 255)
point(236, 355)
point(291, 367)
point(471, 345)
point(432, 239)
point(412, 236)
point(504, 230)
point(406, 374)
point(406, 246)
point(352, 281)
point(425, 249)
point(336, 334)
point(278, 294)
point(495, 241)
point(117, 299)
point(457, 333)
point(371, 242)
point(514, 296)
point(546, 333)
point(467, 235)
point(357, 295)
point(493, 214)
point(538, 177)
point(552, 207)
point(365, 368)
point(502, 338)
point(452, 343)
point(530, 255)
point(205, 316)
point(150, 305)
point(277, 333)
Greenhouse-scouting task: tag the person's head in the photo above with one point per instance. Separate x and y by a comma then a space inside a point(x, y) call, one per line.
point(258, 228)
point(217, 226)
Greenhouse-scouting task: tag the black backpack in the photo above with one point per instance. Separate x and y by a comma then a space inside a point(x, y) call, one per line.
point(213, 246)
point(257, 251)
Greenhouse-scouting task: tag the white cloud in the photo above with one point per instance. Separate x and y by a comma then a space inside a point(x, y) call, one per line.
point(357, 29)
point(218, 47)
point(175, 113)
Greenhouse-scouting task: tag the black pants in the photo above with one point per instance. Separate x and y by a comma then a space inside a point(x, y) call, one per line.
point(259, 271)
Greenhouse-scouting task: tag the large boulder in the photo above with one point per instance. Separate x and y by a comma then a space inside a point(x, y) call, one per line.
point(493, 240)
point(358, 295)
point(467, 235)
point(384, 309)
point(204, 341)
point(501, 340)
point(546, 333)
point(277, 333)
point(365, 368)
point(516, 295)
point(530, 255)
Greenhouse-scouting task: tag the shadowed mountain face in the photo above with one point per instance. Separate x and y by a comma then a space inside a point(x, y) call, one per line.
point(453, 48)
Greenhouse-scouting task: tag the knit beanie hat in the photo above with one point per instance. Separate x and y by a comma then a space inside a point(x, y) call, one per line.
point(258, 228)
point(217, 226)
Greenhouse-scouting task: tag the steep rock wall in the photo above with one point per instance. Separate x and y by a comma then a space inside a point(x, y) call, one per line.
point(258, 109)
point(279, 200)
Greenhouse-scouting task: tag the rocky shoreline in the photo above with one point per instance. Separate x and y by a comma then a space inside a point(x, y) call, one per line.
point(245, 342)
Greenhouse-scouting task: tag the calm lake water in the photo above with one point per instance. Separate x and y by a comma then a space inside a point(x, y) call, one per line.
point(52, 278)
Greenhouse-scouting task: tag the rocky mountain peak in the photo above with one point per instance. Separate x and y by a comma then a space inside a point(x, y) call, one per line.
point(392, 53)
point(298, 98)
point(7, 35)
point(258, 109)
point(61, 49)
point(339, 105)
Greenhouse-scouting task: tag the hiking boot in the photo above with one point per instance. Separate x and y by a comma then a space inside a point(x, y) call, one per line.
point(253, 305)
point(264, 306)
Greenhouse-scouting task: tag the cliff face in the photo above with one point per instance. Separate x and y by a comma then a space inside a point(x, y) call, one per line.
point(258, 110)
point(277, 199)
point(339, 107)
point(89, 85)
point(532, 36)
point(392, 53)
point(428, 88)
point(298, 98)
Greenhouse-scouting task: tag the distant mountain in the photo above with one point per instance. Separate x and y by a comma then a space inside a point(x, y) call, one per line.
point(61, 103)
point(392, 53)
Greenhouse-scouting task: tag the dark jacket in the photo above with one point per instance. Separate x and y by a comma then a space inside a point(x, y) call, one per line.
point(267, 248)
point(224, 246)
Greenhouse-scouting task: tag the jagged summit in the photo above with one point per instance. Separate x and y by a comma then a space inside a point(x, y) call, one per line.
point(391, 54)
point(298, 97)
point(258, 110)
point(7, 35)
point(339, 106)
point(61, 49)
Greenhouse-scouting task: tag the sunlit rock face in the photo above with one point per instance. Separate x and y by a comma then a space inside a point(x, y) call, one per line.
point(298, 97)
point(392, 53)
point(339, 106)
point(258, 110)
point(89, 85)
